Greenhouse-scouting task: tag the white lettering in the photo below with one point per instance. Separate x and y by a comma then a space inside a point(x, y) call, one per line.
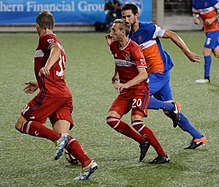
point(83, 6)
point(11, 7)
point(32, 6)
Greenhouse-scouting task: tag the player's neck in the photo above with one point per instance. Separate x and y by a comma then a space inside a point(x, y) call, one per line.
point(123, 42)
point(135, 26)
point(45, 31)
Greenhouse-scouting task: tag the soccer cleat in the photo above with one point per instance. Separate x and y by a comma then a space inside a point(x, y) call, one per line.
point(160, 160)
point(174, 114)
point(60, 145)
point(196, 142)
point(143, 150)
point(87, 171)
point(203, 80)
point(70, 158)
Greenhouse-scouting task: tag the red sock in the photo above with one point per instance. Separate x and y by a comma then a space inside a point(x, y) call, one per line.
point(74, 147)
point(35, 128)
point(148, 133)
point(125, 129)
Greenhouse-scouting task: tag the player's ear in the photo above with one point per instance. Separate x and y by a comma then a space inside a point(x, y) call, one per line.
point(37, 26)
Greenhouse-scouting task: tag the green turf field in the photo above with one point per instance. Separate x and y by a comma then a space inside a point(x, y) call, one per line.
point(28, 161)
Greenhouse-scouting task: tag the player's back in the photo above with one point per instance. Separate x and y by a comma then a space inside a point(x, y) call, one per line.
point(54, 83)
point(207, 9)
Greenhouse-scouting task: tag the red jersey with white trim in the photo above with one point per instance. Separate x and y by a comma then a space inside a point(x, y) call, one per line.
point(53, 84)
point(128, 59)
point(207, 9)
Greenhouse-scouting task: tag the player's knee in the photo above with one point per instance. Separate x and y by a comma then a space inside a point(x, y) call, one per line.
point(18, 126)
point(216, 54)
point(21, 120)
point(112, 121)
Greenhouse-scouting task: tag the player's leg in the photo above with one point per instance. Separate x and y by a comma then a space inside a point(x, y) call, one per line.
point(34, 115)
point(120, 107)
point(62, 121)
point(156, 82)
point(35, 128)
point(165, 94)
point(114, 121)
point(211, 42)
point(139, 111)
point(216, 52)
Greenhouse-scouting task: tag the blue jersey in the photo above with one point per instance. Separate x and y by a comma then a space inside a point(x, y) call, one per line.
point(147, 37)
point(206, 9)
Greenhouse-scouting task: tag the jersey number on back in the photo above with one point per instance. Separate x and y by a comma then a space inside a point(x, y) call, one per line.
point(61, 65)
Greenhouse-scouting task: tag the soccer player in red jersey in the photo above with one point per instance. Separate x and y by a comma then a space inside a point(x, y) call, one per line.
point(54, 100)
point(130, 78)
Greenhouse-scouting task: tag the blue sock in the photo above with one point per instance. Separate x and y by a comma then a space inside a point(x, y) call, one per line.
point(157, 104)
point(207, 66)
point(185, 125)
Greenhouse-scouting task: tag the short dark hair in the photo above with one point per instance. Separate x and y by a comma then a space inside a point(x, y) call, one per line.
point(123, 25)
point(130, 6)
point(45, 20)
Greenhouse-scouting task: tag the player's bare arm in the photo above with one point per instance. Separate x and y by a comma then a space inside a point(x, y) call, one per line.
point(53, 57)
point(138, 79)
point(193, 57)
point(31, 86)
point(115, 77)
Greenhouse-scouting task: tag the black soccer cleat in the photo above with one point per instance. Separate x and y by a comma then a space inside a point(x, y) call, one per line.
point(160, 160)
point(143, 150)
point(196, 142)
point(174, 114)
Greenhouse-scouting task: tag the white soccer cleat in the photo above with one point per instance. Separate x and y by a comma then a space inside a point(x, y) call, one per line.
point(202, 80)
point(61, 143)
point(87, 171)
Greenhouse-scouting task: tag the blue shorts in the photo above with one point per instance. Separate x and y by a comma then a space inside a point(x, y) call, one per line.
point(212, 40)
point(160, 86)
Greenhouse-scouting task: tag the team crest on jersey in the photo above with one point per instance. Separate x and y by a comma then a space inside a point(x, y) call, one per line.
point(142, 61)
point(139, 38)
point(50, 41)
point(127, 57)
point(206, 4)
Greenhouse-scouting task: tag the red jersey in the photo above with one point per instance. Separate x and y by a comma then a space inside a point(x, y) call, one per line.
point(128, 59)
point(54, 83)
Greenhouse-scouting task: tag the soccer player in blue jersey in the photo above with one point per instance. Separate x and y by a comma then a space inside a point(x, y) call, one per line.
point(159, 65)
point(207, 11)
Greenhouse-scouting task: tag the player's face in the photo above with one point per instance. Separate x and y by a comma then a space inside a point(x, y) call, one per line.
point(129, 17)
point(115, 32)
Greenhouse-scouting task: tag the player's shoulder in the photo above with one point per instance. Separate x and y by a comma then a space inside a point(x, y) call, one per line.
point(203, 4)
point(147, 25)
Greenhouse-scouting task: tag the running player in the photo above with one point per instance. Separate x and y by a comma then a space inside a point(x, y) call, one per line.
point(207, 11)
point(130, 78)
point(159, 64)
point(54, 100)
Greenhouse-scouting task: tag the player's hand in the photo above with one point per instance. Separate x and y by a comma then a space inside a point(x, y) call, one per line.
point(31, 86)
point(197, 21)
point(120, 86)
point(109, 39)
point(193, 57)
point(115, 78)
point(44, 71)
